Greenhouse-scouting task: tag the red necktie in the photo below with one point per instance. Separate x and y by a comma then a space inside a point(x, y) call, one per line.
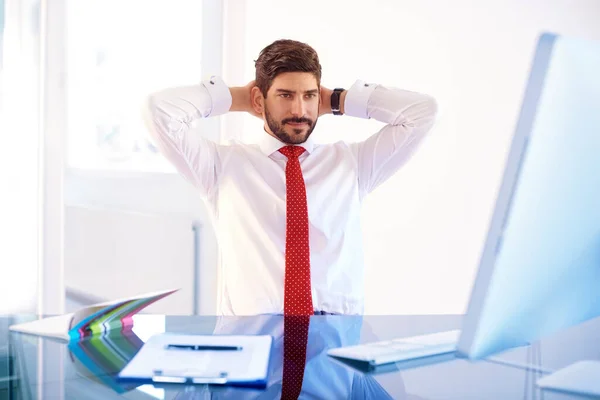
point(297, 295)
point(295, 338)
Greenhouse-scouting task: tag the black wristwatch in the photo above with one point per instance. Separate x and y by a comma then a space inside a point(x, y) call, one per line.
point(335, 101)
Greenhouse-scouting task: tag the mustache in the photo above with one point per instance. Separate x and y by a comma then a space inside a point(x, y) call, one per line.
point(297, 121)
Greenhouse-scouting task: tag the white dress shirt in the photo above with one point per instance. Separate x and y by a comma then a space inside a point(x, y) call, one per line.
point(244, 187)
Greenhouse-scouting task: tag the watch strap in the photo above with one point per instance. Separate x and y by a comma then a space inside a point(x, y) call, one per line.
point(335, 101)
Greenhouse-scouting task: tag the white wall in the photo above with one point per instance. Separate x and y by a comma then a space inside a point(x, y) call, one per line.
point(423, 229)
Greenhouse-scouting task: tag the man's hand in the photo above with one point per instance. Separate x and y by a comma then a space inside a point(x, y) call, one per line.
point(325, 105)
point(241, 99)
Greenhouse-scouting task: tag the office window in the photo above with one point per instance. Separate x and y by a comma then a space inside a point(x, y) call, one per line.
point(19, 161)
point(2, 22)
point(117, 52)
point(3, 8)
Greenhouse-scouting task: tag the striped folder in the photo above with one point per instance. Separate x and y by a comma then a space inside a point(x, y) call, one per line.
point(94, 320)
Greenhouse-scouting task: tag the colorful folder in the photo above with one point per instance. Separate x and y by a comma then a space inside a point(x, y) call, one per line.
point(94, 320)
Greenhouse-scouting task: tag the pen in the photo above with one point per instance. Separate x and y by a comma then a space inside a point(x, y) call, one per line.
point(196, 347)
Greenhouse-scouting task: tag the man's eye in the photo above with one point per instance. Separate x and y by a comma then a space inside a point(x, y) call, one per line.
point(285, 95)
point(311, 95)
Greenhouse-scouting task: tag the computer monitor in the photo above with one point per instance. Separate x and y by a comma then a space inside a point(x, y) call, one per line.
point(540, 267)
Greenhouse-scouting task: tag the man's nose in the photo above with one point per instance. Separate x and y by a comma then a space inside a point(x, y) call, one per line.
point(298, 107)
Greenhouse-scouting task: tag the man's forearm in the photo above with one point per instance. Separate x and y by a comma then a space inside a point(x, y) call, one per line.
point(342, 101)
point(240, 99)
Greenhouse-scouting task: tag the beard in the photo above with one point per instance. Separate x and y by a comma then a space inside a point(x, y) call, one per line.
point(297, 136)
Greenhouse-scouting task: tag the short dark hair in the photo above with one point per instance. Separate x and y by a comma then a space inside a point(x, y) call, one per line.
point(285, 56)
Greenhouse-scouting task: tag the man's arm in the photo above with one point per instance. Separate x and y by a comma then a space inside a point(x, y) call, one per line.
point(169, 115)
point(242, 99)
point(408, 115)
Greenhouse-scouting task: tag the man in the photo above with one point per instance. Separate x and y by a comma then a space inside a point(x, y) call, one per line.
point(287, 209)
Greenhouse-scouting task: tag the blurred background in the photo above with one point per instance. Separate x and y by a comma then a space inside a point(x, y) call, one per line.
point(89, 211)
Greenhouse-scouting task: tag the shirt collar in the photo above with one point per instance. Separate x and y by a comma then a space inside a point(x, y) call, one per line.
point(270, 145)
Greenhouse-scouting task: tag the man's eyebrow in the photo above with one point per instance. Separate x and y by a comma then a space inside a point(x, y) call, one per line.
point(312, 91)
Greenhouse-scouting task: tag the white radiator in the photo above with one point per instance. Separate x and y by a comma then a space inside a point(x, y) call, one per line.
point(111, 254)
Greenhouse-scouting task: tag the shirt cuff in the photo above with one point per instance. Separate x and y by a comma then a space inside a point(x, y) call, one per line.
point(357, 98)
point(220, 96)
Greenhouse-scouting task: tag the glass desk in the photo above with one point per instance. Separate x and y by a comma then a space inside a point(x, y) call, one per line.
point(39, 368)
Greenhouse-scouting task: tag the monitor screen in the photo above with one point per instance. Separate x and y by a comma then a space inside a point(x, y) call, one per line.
point(540, 267)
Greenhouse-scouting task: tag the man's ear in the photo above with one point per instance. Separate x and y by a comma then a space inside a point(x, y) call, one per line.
point(257, 100)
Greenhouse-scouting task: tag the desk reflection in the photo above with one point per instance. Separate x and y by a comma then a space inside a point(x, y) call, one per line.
point(323, 378)
point(102, 358)
point(48, 369)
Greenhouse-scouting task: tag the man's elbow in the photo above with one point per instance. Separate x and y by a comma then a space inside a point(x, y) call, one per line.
point(428, 113)
point(149, 111)
point(422, 112)
point(431, 107)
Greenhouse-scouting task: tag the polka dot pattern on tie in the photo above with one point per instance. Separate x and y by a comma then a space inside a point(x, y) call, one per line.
point(297, 288)
point(295, 340)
